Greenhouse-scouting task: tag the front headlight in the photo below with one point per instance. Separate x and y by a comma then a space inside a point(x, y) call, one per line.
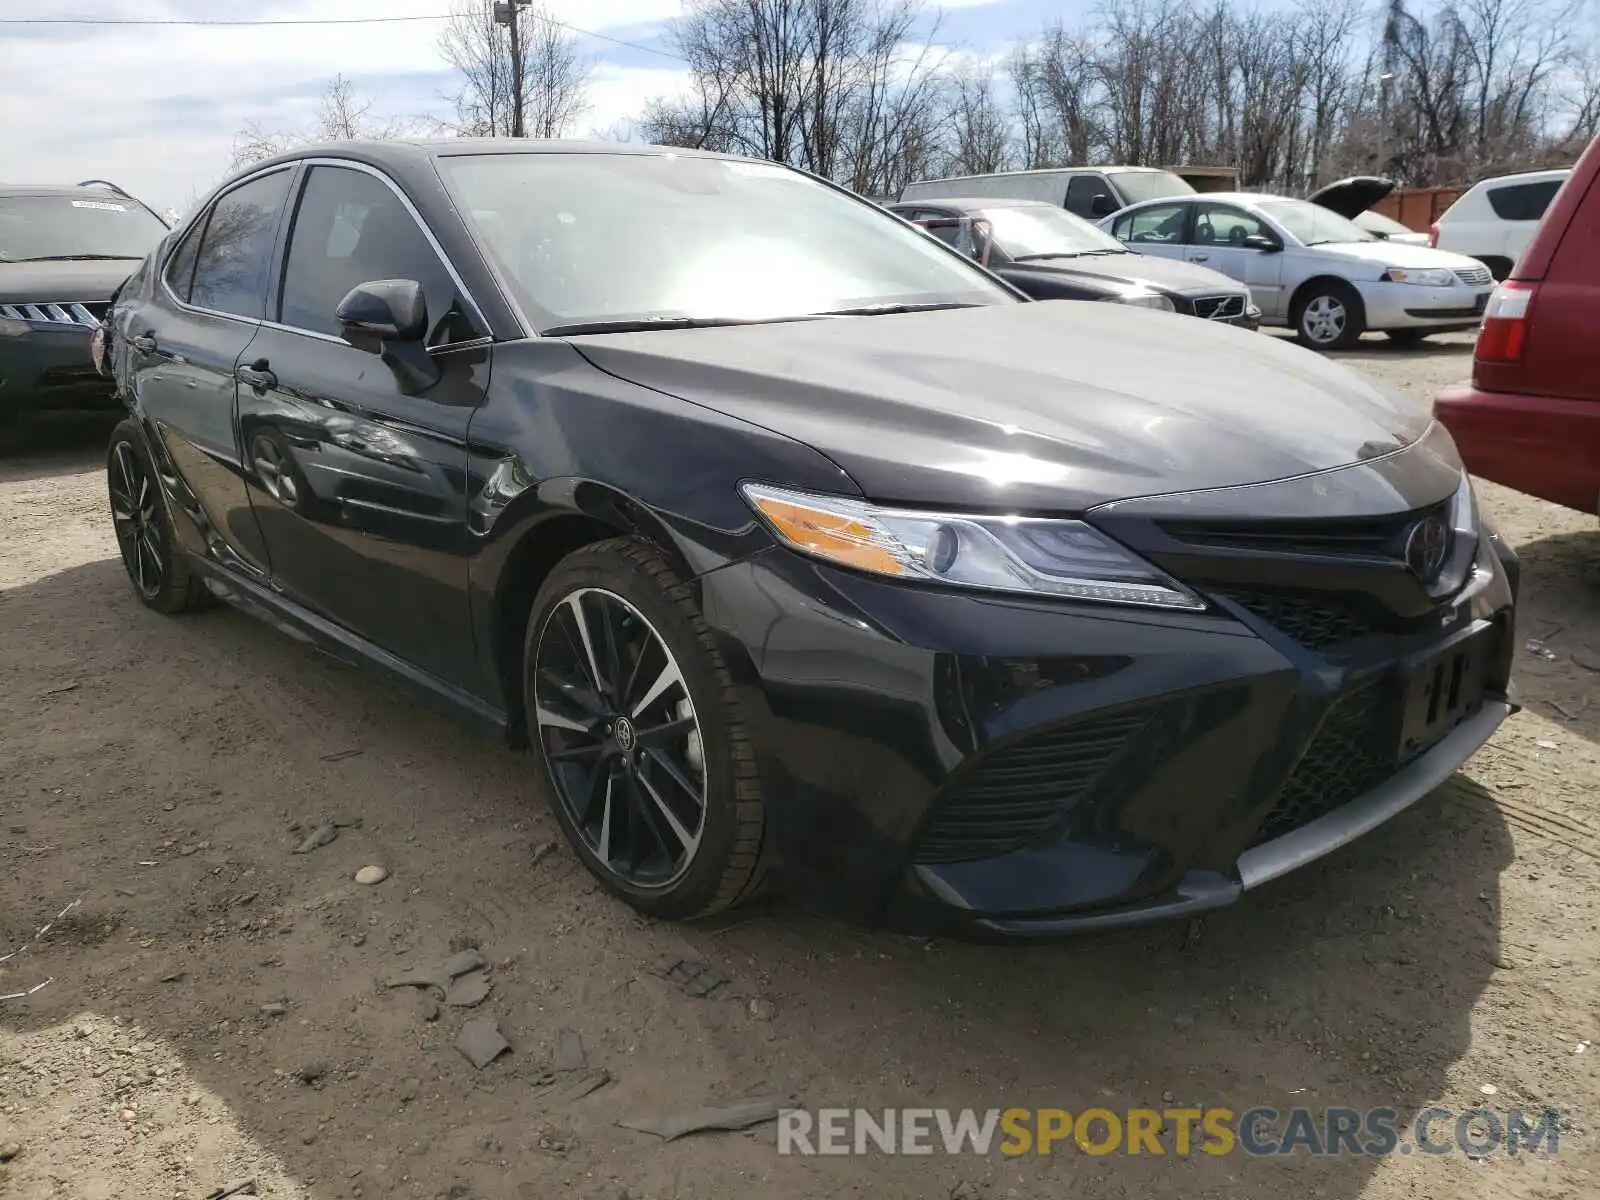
point(1141, 298)
point(11, 327)
point(1030, 555)
point(1425, 276)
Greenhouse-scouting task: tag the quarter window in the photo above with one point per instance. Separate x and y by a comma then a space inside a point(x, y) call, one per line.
point(351, 228)
point(1158, 225)
point(180, 267)
point(1523, 201)
point(230, 270)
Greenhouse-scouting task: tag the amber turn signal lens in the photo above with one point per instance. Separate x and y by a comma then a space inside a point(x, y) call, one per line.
point(844, 539)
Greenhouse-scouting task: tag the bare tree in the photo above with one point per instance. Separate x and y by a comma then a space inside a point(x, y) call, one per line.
point(541, 90)
point(342, 115)
point(981, 128)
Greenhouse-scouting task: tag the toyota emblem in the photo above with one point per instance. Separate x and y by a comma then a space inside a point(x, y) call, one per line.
point(1427, 546)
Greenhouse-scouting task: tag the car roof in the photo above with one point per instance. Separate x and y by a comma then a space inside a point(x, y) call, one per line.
point(1523, 177)
point(972, 203)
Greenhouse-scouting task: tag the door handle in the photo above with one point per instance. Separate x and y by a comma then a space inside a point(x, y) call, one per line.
point(1200, 258)
point(256, 376)
point(144, 343)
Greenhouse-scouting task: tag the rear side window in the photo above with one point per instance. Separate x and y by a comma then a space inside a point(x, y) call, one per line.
point(230, 270)
point(180, 267)
point(1081, 192)
point(1523, 201)
point(1160, 224)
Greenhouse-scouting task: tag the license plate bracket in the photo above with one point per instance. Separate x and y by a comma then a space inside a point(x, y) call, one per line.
point(1442, 690)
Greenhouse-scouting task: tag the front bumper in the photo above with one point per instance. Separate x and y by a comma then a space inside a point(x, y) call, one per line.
point(954, 764)
point(1407, 306)
point(49, 370)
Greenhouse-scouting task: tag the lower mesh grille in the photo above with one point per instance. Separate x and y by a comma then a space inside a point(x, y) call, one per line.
point(1317, 621)
point(1013, 795)
point(1354, 749)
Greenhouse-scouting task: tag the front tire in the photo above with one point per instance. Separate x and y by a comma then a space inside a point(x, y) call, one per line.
point(160, 574)
point(1329, 316)
point(632, 710)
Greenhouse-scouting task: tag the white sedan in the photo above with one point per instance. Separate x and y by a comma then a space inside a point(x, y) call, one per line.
point(1309, 268)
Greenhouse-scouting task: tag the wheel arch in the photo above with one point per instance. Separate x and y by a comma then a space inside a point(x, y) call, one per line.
point(1305, 289)
point(540, 529)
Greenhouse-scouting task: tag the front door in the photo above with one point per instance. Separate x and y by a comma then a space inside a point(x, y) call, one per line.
point(184, 344)
point(357, 471)
point(1217, 241)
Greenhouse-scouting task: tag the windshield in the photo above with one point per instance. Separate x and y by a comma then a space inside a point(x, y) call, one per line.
point(1034, 232)
point(91, 226)
point(1150, 185)
point(1313, 225)
point(583, 238)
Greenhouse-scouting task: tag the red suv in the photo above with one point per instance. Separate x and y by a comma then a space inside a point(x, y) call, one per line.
point(1530, 418)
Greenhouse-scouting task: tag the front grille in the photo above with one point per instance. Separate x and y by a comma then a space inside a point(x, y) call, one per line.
point(1219, 308)
point(1354, 750)
point(85, 315)
point(1317, 620)
point(1474, 276)
point(1011, 796)
point(1343, 537)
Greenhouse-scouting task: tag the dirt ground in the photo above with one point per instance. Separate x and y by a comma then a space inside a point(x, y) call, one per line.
point(214, 1007)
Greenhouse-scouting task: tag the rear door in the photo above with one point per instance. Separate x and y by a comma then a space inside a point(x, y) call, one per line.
point(182, 346)
point(357, 468)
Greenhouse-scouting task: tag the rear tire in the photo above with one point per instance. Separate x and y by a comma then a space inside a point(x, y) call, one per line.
point(160, 573)
point(1329, 315)
point(646, 752)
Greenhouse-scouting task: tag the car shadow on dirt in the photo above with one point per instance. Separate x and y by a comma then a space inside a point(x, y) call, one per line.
point(1558, 630)
point(192, 744)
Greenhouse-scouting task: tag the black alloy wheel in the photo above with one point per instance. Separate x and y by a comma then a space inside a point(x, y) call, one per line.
point(161, 577)
point(655, 790)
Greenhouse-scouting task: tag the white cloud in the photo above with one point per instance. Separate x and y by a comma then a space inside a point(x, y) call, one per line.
point(156, 108)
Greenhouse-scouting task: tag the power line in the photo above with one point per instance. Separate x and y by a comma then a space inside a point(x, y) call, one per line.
point(209, 23)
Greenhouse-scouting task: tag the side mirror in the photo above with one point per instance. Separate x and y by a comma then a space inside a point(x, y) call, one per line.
point(383, 311)
point(1259, 241)
point(389, 318)
point(1102, 205)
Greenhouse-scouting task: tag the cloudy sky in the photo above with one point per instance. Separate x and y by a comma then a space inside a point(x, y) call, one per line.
point(156, 108)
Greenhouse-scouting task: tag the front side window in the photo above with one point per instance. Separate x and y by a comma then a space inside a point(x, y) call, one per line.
point(352, 228)
point(1159, 225)
point(583, 238)
point(1312, 225)
point(230, 270)
point(1220, 225)
point(94, 225)
point(1523, 201)
point(1081, 191)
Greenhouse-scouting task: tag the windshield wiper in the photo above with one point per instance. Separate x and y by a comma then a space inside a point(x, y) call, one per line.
point(645, 324)
point(1067, 254)
point(81, 258)
point(889, 310)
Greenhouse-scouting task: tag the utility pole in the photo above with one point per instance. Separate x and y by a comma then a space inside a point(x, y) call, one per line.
point(505, 13)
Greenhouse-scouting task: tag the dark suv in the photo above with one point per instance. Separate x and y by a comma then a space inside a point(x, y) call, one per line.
point(63, 252)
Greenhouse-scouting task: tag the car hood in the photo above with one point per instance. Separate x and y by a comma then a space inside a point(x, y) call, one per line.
point(54, 282)
point(1134, 268)
point(1397, 254)
point(1352, 197)
point(1052, 406)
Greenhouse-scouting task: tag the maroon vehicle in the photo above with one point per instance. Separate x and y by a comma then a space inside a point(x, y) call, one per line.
point(1530, 417)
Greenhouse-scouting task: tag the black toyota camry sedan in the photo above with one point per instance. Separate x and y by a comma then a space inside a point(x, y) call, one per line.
point(796, 547)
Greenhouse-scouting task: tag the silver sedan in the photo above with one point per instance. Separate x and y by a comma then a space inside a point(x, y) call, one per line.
point(1310, 269)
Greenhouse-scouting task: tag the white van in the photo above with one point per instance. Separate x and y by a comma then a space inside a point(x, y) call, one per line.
point(1088, 192)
